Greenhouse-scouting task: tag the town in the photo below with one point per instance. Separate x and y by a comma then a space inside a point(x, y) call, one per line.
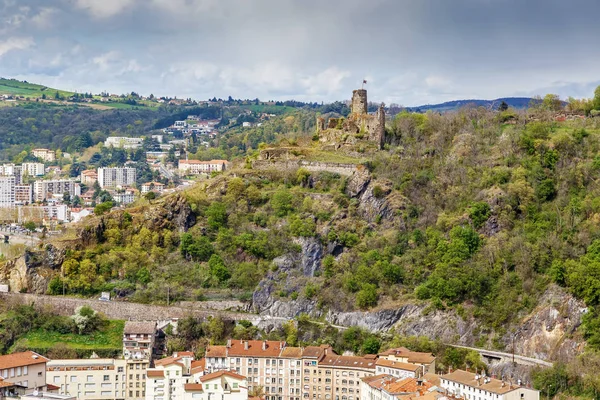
point(245, 369)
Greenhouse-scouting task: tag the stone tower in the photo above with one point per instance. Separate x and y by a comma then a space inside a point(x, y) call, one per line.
point(359, 101)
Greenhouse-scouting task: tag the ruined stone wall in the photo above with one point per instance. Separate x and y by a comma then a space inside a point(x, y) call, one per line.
point(312, 166)
point(359, 101)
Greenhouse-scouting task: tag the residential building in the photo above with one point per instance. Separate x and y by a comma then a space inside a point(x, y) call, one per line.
point(167, 379)
point(180, 124)
point(310, 376)
point(44, 154)
point(23, 194)
point(398, 369)
point(124, 142)
point(388, 387)
point(138, 346)
point(402, 354)
point(77, 214)
point(221, 385)
point(470, 386)
point(116, 177)
point(47, 396)
point(345, 373)
point(88, 379)
point(123, 197)
point(43, 190)
point(43, 213)
point(153, 187)
point(88, 177)
point(7, 191)
point(195, 167)
point(26, 370)
point(33, 169)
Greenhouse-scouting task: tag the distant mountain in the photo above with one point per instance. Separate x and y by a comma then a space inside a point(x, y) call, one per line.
point(515, 102)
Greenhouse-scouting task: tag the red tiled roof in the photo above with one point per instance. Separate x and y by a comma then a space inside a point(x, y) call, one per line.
point(348, 362)
point(156, 374)
point(21, 359)
point(216, 351)
point(397, 365)
point(192, 387)
point(219, 374)
point(255, 348)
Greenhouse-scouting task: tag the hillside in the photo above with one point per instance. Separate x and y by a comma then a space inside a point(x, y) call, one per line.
point(13, 87)
point(518, 103)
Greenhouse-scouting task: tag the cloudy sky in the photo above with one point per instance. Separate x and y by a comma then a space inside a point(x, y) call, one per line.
point(411, 52)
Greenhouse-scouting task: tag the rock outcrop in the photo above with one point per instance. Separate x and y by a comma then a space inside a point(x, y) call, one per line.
point(33, 270)
point(174, 213)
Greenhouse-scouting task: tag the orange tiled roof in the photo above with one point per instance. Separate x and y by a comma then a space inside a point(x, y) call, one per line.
point(192, 387)
point(397, 365)
point(468, 378)
point(156, 374)
point(219, 374)
point(291, 352)
point(21, 359)
point(412, 356)
point(348, 362)
point(255, 348)
point(216, 351)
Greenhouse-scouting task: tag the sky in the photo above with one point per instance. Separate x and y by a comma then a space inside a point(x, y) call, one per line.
point(411, 52)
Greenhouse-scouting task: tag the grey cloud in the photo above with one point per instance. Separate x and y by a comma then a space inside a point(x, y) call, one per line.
point(410, 51)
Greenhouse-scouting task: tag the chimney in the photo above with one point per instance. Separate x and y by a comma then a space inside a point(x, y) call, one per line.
point(246, 345)
point(264, 345)
point(228, 343)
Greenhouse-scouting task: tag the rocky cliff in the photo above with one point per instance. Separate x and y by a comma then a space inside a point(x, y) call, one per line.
point(32, 271)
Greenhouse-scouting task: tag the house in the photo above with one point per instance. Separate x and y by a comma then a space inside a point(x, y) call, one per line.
point(25, 371)
point(156, 187)
point(89, 177)
point(44, 154)
point(398, 369)
point(388, 387)
point(123, 197)
point(77, 214)
point(167, 379)
point(471, 386)
point(196, 167)
point(402, 354)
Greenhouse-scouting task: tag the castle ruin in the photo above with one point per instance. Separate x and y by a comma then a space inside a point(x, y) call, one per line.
point(357, 126)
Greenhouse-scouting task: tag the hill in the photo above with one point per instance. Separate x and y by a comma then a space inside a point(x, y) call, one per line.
point(13, 87)
point(514, 102)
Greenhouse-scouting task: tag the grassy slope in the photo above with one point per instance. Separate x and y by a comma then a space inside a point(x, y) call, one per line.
point(110, 338)
point(17, 88)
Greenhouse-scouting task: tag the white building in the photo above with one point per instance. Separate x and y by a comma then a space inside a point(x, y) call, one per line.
point(123, 142)
point(180, 124)
point(470, 386)
point(46, 189)
point(77, 214)
point(115, 177)
point(222, 385)
point(398, 369)
point(387, 387)
point(153, 187)
point(27, 370)
point(44, 154)
point(404, 355)
point(138, 346)
point(126, 197)
point(195, 167)
point(32, 169)
point(88, 379)
point(7, 191)
point(167, 379)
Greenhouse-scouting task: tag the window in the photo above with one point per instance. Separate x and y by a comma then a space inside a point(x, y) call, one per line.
point(235, 385)
point(25, 372)
point(105, 378)
point(39, 373)
point(89, 378)
point(120, 369)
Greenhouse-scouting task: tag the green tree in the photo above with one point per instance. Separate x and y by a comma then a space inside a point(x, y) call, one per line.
point(282, 202)
point(216, 215)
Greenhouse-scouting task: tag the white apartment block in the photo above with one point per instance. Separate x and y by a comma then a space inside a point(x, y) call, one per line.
point(89, 379)
point(167, 379)
point(44, 154)
point(56, 188)
point(27, 370)
point(404, 355)
point(222, 385)
point(398, 369)
point(195, 167)
point(115, 177)
point(124, 142)
point(126, 197)
point(33, 169)
point(7, 191)
point(470, 386)
point(388, 387)
point(23, 194)
point(138, 345)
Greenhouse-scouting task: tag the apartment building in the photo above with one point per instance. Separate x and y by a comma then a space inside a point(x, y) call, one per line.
point(344, 373)
point(138, 348)
point(115, 177)
point(221, 385)
point(23, 194)
point(88, 177)
point(89, 379)
point(388, 387)
point(44, 154)
point(404, 355)
point(124, 197)
point(43, 190)
point(7, 191)
point(195, 167)
point(470, 386)
point(33, 169)
point(124, 142)
point(153, 187)
point(26, 370)
point(167, 379)
point(398, 369)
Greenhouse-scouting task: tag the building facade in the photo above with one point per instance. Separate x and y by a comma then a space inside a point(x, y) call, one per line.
point(33, 169)
point(124, 142)
point(89, 379)
point(27, 370)
point(195, 167)
point(470, 386)
point(44, 154)
point(222, 385)
point(7, 191)
point(88, 177)
point(138, 348)
point(43, 190)
point(404, 355)
point(115, 177)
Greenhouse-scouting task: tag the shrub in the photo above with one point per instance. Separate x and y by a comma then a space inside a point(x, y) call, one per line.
point(367, 296)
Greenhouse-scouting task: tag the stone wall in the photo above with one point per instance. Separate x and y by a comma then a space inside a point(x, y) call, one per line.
point(120, 309)
point(313, 166)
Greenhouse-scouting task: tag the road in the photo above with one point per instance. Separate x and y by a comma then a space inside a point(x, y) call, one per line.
point(521, 360)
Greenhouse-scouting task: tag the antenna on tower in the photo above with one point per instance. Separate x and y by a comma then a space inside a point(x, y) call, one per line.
point(364, 82)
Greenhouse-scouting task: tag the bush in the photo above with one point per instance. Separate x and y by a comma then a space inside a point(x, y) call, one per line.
point(479, 213)
point(378, 192)
point(367, 296)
